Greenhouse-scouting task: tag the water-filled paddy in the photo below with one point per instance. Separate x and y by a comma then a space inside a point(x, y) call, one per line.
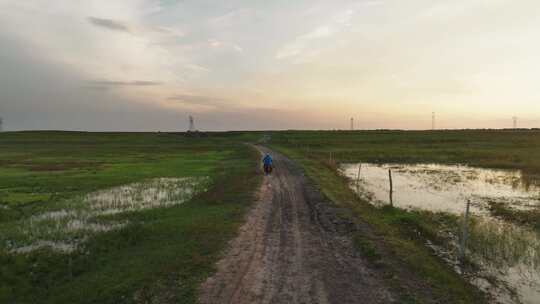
point(445, 188)
point(508, 254)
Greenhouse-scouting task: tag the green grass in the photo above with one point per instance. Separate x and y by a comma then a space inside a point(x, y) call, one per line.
point(116, 159)
point(366, 248)
point(529, 218)
point(513, 149)
point(163, 254)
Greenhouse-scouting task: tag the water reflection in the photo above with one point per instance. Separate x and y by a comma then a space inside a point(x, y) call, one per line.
point(161, 192)
point(65, 229)
point(508, 255)
point(445, 188)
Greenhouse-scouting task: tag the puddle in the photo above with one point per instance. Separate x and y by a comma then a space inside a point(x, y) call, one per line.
point(162, 192)
point(445, 188)
point(64, 230)
point(508, 254)
point(56, 246)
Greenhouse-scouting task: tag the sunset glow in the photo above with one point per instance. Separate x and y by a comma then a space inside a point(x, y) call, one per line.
point(235, 65)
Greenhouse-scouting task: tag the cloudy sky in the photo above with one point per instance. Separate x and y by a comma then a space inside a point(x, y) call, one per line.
point(305, 64)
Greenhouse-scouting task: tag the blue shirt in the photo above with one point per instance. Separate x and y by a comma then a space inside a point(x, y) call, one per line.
point(267, 160)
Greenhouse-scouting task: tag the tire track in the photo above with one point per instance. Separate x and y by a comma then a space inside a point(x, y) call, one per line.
point(293, 249)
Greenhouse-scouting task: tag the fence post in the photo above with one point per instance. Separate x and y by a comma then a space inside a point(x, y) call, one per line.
point(358, 175)
point(391, 187)
point(464, 232)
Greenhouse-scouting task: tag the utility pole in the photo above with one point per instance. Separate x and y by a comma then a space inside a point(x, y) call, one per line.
point(432, 120)
point(352, 124)
point(514, 122)
point(191, 124)
point(1, 124)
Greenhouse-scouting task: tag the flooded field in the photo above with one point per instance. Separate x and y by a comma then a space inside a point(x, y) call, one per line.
point(63, 230)
point(507, 254)
point(446, 188)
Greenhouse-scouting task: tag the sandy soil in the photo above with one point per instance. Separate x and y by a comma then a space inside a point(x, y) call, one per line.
point(293, 248)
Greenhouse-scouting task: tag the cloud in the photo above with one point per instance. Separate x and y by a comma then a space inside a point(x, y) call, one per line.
point(109, 24)
point(197, 100)
point(167, 31)
point(110, 83)
point(138, 29)
point(234, 17)
point(218, 44)
point(337, 58)
point(338, 24)
point(302, 43)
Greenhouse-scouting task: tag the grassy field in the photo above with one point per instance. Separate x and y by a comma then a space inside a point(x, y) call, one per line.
point(517, 149)
point(503, 149)
point(161, 254)
point(320, 152)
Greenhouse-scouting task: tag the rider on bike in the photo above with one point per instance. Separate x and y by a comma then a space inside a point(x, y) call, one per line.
point(267, 164)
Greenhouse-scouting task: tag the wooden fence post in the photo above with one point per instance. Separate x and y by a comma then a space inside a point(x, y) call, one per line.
point(358, 175)
point(391, 187)
point(464, 228)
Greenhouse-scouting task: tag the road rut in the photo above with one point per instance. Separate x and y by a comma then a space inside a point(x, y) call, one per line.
point(293, 248)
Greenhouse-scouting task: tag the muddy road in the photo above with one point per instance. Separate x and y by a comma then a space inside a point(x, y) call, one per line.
point(293, 248)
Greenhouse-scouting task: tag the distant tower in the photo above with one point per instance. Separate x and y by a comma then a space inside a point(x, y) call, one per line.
point(432, 120)
point(514, 122)
point(352, 124)
point(191, 124)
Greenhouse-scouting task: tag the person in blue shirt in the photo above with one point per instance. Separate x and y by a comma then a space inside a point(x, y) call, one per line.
point(267, 164)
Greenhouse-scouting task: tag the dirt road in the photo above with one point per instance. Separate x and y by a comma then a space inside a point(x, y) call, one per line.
point(293, 248)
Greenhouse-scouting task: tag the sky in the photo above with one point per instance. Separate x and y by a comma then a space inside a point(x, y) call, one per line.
point(146, 65)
